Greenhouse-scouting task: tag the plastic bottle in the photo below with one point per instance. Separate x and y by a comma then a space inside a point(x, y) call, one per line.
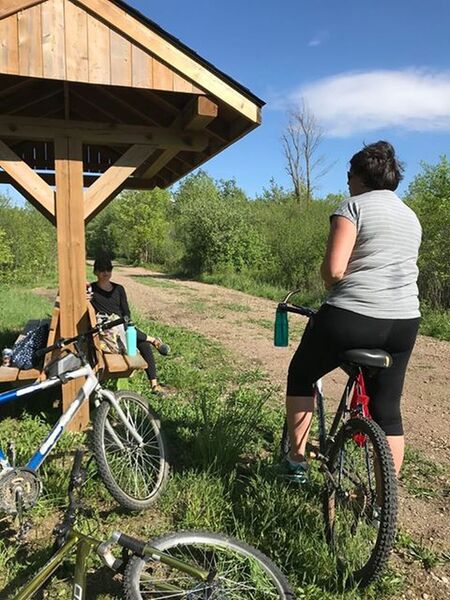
point(281, 329)
point(131, 336)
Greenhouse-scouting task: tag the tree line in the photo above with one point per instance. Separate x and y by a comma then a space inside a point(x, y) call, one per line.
point(209, 227)
point(213, 227)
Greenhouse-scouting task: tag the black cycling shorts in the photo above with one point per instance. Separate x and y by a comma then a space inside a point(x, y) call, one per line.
point(333, 330)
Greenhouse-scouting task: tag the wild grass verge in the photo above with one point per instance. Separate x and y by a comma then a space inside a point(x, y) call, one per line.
point(223, 433)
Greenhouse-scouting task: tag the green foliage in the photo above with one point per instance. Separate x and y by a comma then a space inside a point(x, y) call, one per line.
point(27, 245)
point(212, 222)
point(134, 226)
point(429, 196)
point(297, 238)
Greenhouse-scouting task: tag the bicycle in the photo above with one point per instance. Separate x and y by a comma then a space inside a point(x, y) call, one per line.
point(360, 492)
point(127, 441)
point(189, 565)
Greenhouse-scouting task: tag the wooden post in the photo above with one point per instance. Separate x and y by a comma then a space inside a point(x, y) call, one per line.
point(69, 208)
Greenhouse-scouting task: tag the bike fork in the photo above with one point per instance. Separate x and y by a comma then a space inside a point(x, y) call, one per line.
point(109, 397)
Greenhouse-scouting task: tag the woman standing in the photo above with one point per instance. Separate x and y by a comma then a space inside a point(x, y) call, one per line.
point(110, 298)
point(370, 270)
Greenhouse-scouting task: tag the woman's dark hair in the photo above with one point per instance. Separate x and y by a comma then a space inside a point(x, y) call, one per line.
point(377, 166)
point(102, 263)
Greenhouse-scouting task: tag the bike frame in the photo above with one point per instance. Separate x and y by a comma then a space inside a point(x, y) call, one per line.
point(85, 544)
point(90, 385)
point(326, 438)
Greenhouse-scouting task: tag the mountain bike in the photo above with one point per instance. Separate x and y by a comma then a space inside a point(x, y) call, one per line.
point(127, 441)
point(179, 566)
point(360, 491)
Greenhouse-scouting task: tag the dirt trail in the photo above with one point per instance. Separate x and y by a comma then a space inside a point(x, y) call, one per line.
point(243, 324)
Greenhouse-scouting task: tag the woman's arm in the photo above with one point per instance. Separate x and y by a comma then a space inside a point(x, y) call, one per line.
point(341, 242)
point(125, 309)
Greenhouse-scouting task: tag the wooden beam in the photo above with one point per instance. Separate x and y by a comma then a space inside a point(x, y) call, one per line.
point(106, 187)
point(9, 7)
point(71, 255)
point(19, 107)
point(197, 116)
point(27, 179)
point(32, 128)
point(17, 87)
point(132, 183)
point(172, 56)
point(125, 106)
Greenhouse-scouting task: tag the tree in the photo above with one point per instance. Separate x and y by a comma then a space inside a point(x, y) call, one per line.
point(429, 196)
point(212, 223)
point(301, 143)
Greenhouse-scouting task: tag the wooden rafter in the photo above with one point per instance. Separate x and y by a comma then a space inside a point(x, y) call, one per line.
point(15, 88)
point(99, 107)
point(33, 101)
point(106, 186)
point(101, 133)
point(196, 117)
point(9, 7)
point(125, 106)
point(27, 179)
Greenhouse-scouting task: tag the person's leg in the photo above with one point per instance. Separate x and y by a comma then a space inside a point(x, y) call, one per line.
point(397, 445)
point(314, 357)
point(299, 412)
point(385, 389)
point(145, 349)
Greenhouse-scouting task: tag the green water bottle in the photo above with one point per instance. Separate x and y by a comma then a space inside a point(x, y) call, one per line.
point(281, 329)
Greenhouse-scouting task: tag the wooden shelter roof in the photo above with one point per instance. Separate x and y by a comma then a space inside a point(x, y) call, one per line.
point(101, 70)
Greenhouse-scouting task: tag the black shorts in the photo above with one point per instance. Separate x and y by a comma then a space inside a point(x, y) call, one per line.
point(334, 330)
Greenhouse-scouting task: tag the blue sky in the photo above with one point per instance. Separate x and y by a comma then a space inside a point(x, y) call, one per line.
point(368, 70)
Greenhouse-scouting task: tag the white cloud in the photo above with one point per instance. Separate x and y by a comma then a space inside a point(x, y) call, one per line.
point(351, 103)
point(318, 39)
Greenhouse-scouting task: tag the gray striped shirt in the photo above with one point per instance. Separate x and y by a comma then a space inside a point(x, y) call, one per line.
point(381, 276)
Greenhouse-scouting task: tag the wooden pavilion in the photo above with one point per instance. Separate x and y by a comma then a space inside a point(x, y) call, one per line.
point(96, 98)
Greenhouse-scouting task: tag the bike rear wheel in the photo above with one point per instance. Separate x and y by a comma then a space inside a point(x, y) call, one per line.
point(241, 571)
point(133, 474)
point(360, 501)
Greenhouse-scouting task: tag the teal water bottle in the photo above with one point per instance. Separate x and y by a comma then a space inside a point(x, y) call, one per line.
point(281, 329)
point(131, 336)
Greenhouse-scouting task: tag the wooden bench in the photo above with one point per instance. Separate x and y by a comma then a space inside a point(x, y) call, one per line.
point(107, 366)
point(113, 366)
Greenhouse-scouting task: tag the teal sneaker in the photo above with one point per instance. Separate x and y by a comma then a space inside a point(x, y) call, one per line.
point(295, 472)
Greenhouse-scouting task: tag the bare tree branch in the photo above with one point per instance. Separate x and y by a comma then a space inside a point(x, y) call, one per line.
point(301, 143)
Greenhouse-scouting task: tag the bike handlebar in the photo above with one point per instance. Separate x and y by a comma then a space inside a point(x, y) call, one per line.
point(294, 308)
point(63, 342)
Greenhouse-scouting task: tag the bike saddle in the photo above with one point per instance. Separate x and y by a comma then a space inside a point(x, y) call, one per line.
point(367, 358)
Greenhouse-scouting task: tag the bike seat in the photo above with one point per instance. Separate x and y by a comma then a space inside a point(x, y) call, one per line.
point(367, 358)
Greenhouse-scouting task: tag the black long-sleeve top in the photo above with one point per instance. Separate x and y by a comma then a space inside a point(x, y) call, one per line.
point(111, 302)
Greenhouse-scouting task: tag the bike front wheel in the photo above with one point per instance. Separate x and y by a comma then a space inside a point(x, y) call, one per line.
point(360, 501)
point(238, 571)
point(133, 473)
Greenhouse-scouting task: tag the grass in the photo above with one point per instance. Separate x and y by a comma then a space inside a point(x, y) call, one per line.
point(223, 427)
point(17, 306)
point(424, 478)
point(414, 550)
point(158, 282)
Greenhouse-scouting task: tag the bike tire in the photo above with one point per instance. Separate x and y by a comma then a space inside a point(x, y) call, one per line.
point(363, 549)
point(134, 476)
point(204, 549)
